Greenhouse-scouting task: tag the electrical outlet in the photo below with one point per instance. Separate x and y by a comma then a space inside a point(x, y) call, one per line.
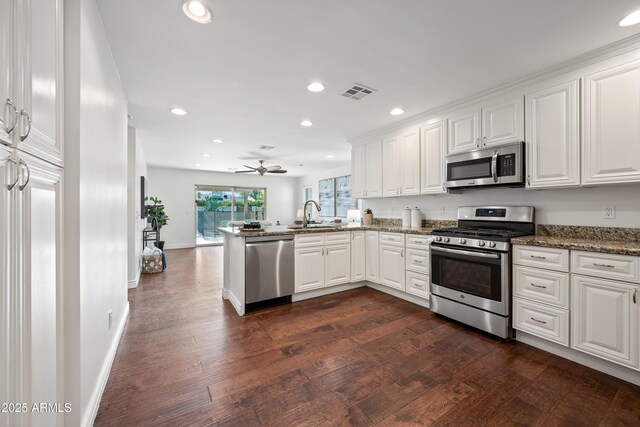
point(110, 314)
point(609, 212)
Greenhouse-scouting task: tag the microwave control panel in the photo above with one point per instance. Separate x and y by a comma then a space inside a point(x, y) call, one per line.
point(507, 165)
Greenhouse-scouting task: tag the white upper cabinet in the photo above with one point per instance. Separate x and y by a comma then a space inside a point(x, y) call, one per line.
point(390, 162)
point(553, 136)
point(491, 124)
point(9, 112)
point(433, 139)
point(373, 169)
point(611, 125)
point(464, 132)
point(401, 164)
point(39, 78)
point(7, 176)
point(503, 122)
point(358, 171)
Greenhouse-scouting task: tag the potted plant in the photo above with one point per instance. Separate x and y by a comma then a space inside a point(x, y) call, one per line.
point(156, 216)
point(368, 217)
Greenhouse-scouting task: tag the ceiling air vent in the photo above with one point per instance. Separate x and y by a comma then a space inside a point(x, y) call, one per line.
point(358, 91)
point(266, 147)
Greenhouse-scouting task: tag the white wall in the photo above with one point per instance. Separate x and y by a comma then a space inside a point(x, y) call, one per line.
point(175, 187)
point(95, 209)
point(580, 206)
point(136, 167)
point(313, 181)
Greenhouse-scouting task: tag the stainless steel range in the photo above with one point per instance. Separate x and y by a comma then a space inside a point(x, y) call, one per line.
point(471, 266)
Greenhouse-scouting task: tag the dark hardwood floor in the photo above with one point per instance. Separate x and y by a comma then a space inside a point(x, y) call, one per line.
point(359, 357)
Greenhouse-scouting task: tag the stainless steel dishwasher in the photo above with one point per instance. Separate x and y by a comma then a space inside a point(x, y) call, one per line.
point(269, 268)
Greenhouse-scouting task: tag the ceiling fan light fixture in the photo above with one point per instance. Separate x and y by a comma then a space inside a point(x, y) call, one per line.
point(197, 11)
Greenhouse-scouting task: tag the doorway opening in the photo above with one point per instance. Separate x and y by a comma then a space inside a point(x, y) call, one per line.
point(217, 205)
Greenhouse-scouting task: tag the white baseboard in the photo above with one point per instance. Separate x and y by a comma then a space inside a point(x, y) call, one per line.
point(94, 402)
point(225, 293)
point(618, 371)
point(399, 294)
point(134, 283)
point(326, 291)
point(179, 246)
point(235, 302)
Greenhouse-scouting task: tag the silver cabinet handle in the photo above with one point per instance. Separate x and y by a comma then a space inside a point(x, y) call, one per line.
point(418, 261)
point(401, 253)
point(23, 186)
point(9, 129)
point(24, 114)
point(539, 321)
point(528, 179)
point(484, 141)
point(538, 257)
point(635, 293)
point(11, 186)
point(478, 142)
point(494, 166)
point(595, 264)
point(322, 251)
point(353, 236)
point(538, 286)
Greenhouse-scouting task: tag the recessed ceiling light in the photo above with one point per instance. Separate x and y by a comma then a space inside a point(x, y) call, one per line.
point(206, 155)
point(329, 156)
point(196, 11)
point(315, 87)
point(631, 19)
point(217, 141)
point(306, 123)
point(178, 111)
point(197, 164)
point(396, 111)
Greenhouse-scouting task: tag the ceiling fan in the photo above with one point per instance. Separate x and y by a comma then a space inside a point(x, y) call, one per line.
point(262, 169)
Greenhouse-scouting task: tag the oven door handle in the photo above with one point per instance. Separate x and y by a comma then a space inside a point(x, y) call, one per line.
point(494, 166)
point(461, 252)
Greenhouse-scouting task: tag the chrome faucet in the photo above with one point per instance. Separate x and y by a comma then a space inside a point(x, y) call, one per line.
point(305, 223)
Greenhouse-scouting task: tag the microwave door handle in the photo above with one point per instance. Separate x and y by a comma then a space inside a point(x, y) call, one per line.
point(461, 252)
point(494, 166)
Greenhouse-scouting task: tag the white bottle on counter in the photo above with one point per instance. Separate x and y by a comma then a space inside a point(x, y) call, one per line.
point(416, 218)
point(406, 217)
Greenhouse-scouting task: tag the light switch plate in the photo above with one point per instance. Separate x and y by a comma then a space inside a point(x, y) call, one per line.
point(608, 212)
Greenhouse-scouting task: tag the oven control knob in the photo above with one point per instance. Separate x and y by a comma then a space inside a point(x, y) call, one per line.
point(445, 239)
point(480, 243)
point(463, 241)
point(438, 239)
point(492, 244)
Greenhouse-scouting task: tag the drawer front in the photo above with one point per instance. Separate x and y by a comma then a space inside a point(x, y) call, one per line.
point(608, 266)
point(339, 237)
point(549, 287)
point(534, 256)
point(542, 321)
point(417, 284)
point(396, 239)
point(418, 242)
point(417, 260)
point(312, 239)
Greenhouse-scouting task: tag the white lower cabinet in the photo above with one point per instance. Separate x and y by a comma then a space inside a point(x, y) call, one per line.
point(358, 256)
point(417, 284)
point(392, 269)
point(324, 264)
point(372, 256)
point(541, 320)
point(605, 319)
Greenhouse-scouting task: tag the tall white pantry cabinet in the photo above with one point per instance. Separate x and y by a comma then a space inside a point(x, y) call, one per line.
point(31, 160)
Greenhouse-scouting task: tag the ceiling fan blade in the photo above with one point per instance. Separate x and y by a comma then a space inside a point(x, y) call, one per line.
point(250, 167)
point(278, 171)
point(245, 171)
point(274, 168)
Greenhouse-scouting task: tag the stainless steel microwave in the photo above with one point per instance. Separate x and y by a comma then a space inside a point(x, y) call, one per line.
point(502, 165)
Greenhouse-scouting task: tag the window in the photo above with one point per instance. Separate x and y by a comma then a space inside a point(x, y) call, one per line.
point(335, 196)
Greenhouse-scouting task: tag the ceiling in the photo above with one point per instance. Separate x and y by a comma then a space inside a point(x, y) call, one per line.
point(243, 76)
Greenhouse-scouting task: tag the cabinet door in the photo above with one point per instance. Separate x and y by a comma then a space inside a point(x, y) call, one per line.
point(390, 173)
point(337, 264)
point(503, 122)
point(358, 171)
point(432, 151)
point(358, 269)
point(7, 175)
point(39, 206)
point(464, 132)
point(553, 137)
point(611, 129)
point(39, 81)
point(309, 268)
point(604, 318)
point(372, 258)
point(409, 163)
point(373, 169)
point(392, 269)
point(8, 101)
